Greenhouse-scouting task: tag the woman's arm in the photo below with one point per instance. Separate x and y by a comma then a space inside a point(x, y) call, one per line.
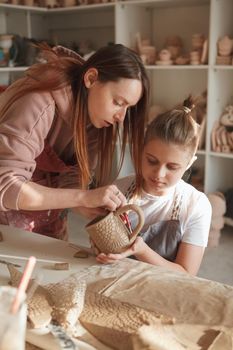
point(188, 259)
point(36, 197)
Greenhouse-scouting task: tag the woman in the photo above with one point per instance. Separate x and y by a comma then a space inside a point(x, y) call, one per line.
point(58, 130)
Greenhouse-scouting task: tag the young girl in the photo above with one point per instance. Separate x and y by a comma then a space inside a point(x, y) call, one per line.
point(177, 216)
point(58, 131)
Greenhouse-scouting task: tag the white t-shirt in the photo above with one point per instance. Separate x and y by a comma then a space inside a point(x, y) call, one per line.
point(195, 210)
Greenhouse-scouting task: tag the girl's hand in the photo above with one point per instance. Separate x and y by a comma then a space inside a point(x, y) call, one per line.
point(138, 247)
point(108, 197)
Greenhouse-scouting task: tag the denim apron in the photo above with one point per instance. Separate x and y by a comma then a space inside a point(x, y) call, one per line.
point(163, 236)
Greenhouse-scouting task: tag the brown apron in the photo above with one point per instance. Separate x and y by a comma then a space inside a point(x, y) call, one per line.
point(52, 223)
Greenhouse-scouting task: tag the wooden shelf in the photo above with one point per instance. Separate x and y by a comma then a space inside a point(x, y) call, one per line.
point(156, 20)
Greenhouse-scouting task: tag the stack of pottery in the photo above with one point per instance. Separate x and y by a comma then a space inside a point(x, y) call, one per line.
point(225, 48)
point(197, 47)
point(197, 41)
point(174, 45)
point(146, 51)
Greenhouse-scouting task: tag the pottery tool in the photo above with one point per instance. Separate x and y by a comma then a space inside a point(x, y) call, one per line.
point(63, 338)
point(124, 217)
point(23, 284)
point(9, 263)
point(26, 258)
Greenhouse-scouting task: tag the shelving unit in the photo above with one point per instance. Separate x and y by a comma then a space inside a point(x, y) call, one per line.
point(118, 22)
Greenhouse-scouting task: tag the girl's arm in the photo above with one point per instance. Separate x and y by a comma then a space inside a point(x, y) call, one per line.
point(188, 259)
point(36, 197)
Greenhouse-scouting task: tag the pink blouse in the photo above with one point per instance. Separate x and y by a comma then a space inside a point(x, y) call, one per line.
point(27, 123)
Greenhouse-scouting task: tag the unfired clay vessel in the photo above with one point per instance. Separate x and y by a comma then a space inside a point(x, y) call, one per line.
point(110, 234)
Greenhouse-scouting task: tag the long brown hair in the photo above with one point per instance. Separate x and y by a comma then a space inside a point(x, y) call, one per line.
point(174, 126)
point(113, 62)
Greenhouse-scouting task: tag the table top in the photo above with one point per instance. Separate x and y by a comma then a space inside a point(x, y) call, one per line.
point(145, 286)
point(18, 245)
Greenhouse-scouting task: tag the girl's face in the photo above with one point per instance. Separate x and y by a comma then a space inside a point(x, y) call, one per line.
point(163, 165)
point(108, 102)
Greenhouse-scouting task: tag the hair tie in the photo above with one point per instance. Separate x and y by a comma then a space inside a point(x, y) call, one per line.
point(186, 109)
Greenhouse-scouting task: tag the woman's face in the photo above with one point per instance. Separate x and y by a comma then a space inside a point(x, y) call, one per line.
point(108, 102)
point(163, 165)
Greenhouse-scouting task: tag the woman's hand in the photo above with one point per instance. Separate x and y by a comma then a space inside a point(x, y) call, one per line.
point(138, 247)
point(107, 197)
point(90, 213)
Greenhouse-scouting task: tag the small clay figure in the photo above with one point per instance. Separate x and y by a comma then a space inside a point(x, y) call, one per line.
point(222, 132)
point(164, 58)
point(62, 266)
point(81, 254)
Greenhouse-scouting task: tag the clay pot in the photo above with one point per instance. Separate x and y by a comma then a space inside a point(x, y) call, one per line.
point(197, 41)
point(149, 52)
point(110, 234)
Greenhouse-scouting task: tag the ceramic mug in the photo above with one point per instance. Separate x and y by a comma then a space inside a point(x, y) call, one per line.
point(110, 234)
